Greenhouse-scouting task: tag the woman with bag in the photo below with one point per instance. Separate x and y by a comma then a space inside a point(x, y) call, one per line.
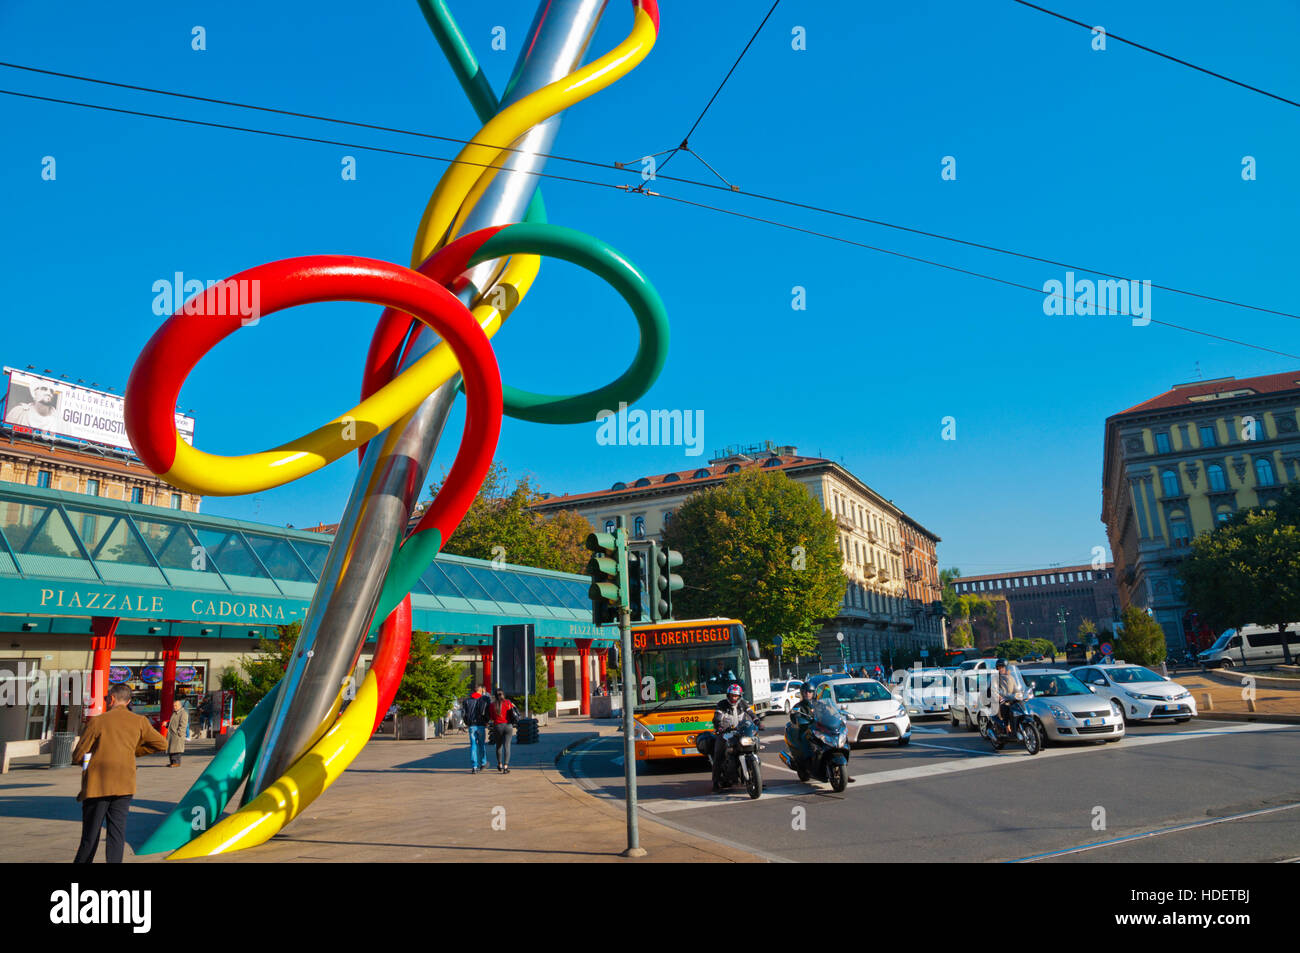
point(504, 716)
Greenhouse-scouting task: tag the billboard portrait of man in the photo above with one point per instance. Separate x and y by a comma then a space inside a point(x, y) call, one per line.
point(34, 407)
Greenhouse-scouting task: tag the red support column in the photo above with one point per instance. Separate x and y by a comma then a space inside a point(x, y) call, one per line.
point(485, 654)
point(550, 667)
point(171, 652)
point(103, 640)
point(584, 659)
point(603, 655)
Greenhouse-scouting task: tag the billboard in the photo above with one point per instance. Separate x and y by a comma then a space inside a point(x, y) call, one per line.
point(51, 407)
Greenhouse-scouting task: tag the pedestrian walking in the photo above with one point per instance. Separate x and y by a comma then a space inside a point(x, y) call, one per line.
point(178, 726)
point(205, 714)
point(505, 716)
point(475, 710)
point(112, 741)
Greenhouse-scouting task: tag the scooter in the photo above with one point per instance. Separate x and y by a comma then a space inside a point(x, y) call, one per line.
point(826, 756)
point(1023, 728)
point(740, 752)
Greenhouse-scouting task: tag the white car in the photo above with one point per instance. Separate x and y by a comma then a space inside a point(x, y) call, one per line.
point(874, 715)
point(785, 695)
point(925, 691)
point(1142, 695)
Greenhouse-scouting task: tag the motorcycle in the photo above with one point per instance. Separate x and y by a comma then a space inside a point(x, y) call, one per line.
point(826, 755)
point(1023, 727)
point(740, 764)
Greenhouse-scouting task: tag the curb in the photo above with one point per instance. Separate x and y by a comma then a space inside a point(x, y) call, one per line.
point(596, 803)
point(1268, 681)
point(580, 740)
point(1216, 715)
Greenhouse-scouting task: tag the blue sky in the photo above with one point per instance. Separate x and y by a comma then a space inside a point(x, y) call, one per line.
point(1117, 159)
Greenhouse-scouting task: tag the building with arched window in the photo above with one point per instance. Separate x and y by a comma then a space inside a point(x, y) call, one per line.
point(893, 598)
point(1179, 464)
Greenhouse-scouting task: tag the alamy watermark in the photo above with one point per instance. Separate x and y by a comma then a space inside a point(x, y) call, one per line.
point(1106, 296)
point(32, 685)
point(231, 296)
point(655, 428)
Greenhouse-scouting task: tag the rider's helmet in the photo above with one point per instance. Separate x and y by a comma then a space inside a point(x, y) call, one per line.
point(806, 689)
point(1002, 663)
point(733, 692)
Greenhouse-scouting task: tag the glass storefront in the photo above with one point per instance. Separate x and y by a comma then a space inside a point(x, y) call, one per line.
point(145, 679)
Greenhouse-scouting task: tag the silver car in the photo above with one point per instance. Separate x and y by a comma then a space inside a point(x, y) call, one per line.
point(1069, 710)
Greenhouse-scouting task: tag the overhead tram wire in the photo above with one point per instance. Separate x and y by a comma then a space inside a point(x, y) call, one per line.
point(620, 168)
point(939, 264)
point(607, 185)
point(1162, 55)
point(700, 118)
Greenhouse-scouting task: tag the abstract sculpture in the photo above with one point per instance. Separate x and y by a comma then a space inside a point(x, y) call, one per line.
point(432, 339)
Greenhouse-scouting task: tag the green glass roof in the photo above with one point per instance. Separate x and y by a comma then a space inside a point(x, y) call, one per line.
point(53, 543)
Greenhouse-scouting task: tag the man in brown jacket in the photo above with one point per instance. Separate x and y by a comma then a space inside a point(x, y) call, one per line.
point(113, 740)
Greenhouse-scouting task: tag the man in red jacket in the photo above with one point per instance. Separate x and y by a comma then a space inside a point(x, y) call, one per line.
point(475, 709)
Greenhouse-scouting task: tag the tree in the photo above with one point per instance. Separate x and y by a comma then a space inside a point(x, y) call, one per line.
point(501, 525)
point(431, 683)
point(1248, 570)
point(1016, 648)
point(264, 670)
point(948, 591)
point(960, 636)
point(759, 548)
point(1086, 628)
point(543, 698)
point(1143, 641)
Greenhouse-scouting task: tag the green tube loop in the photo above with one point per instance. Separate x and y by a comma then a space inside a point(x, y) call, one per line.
point(206, 800)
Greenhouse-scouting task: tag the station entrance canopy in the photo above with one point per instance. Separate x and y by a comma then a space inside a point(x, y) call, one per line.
point(66, 556)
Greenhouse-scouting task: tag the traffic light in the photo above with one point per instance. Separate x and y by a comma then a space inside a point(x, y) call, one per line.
point(607, 569)
point(663, 582)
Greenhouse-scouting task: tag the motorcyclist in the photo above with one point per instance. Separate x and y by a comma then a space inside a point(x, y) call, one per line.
point(1004, 693)
point(802, 717)
point(730, 711)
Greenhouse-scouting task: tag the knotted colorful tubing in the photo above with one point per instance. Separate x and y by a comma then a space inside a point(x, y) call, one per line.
point(312, 773)
point(154, 386)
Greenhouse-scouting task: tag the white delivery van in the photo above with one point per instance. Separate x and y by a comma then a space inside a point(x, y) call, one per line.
point(1250, 645)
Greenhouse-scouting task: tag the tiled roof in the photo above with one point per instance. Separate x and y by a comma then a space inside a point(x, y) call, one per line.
point(1181, 394)
point(693, 476)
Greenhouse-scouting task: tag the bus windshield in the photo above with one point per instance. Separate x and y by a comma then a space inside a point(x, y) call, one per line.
point(689, 666)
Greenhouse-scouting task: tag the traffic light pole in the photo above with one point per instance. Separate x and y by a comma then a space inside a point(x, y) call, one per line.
point(634, 848)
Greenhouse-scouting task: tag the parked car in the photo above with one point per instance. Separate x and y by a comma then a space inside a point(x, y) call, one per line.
point(874, 715)
point(785, 695)
point(1068, 710)
point(1252, 645)
point(1142, 695)
point(925, 691)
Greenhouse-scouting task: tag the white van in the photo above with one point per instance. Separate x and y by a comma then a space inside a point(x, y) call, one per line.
point(970, 693)
point(1251, 645)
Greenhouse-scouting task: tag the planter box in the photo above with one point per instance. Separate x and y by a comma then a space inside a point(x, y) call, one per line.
point(412, 728)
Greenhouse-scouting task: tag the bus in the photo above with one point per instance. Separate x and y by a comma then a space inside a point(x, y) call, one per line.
point(952, 658)
point(682, 671)
point(1076, 653)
